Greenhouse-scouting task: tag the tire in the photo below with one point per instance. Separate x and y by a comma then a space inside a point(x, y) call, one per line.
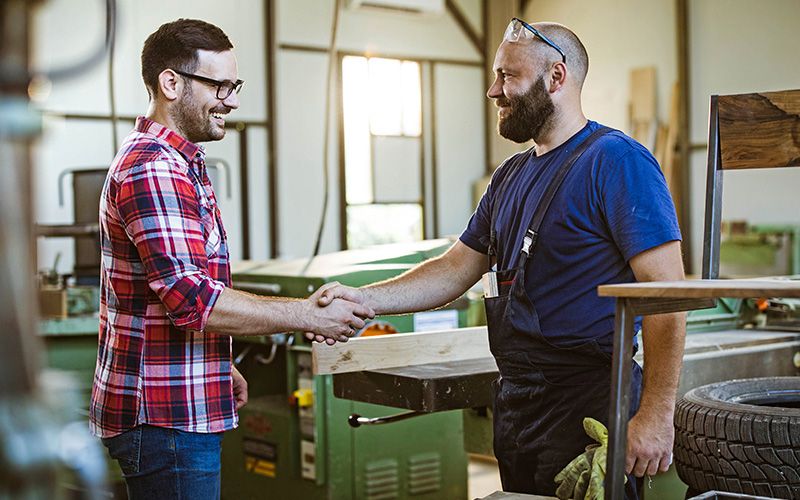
point(741, 436)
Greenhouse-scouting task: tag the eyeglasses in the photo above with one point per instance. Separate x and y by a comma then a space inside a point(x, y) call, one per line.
point(515, 32)
point(224, 87)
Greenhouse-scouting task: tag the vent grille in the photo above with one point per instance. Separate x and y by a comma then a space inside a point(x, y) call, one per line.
point(382, 482)
point(424, 473)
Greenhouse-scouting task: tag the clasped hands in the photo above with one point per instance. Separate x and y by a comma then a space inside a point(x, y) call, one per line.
point(336, 313)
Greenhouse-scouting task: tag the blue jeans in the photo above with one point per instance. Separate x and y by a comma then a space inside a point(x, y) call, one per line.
point(157, 462)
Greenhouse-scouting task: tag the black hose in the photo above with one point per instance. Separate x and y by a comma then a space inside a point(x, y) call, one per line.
point(325, 138)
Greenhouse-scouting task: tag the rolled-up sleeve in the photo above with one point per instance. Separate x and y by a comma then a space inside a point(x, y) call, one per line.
point(159, 208)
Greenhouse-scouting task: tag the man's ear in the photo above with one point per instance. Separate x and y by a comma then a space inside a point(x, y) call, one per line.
point(558, 76)
point(169, 84)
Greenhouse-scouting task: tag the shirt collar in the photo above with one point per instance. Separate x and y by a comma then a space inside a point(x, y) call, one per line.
point(186, 148)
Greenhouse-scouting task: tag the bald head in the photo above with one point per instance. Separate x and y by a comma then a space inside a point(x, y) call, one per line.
point(577, 58)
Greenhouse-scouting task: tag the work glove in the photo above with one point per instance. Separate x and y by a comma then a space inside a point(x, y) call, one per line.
point(573, 480)
point(583, 477)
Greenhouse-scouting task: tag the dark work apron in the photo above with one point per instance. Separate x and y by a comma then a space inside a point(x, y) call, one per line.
point(544, 391)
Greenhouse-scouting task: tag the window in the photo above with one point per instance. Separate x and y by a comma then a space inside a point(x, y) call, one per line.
point(382, 150)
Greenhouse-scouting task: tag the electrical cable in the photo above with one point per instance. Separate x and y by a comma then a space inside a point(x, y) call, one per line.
point(93, 59)
point(326, 140)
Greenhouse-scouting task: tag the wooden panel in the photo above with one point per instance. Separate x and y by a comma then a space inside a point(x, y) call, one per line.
point(705, 289)
point(402, 349)
point(760, 130)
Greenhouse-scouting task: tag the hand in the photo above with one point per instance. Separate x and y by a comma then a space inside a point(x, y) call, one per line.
point(338, 319)
point(650, 438)
point(239, 388)
point(335, 290)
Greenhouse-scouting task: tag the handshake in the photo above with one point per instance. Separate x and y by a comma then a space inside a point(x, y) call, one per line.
point(335, 313)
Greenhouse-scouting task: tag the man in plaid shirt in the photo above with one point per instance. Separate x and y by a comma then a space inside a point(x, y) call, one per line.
point(165, 388)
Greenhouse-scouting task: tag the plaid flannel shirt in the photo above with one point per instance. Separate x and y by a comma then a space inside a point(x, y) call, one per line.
point(164, 264)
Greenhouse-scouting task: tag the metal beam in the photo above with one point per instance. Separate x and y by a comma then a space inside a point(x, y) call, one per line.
point(272, 147)
point(684, 135)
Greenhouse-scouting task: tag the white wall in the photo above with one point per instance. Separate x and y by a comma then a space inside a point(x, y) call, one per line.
point(619, 35)
point(460, 143)
point(739, 46)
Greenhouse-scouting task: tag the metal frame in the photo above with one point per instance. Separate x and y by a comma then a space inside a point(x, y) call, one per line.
point(628, 308)
point(713, 221)
point(434, 217)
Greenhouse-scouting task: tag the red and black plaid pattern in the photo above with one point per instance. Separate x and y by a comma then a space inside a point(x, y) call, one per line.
point(164, 263)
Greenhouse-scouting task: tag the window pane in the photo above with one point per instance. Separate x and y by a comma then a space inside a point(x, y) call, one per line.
point(357, 160)
point(369, 225)
point(396, 169)
point(385, 96)
point(412, 106)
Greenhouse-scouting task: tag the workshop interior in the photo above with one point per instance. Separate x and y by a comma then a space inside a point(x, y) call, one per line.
point(363, 144)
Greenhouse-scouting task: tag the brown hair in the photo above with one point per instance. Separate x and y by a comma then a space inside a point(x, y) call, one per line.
point(175, 45)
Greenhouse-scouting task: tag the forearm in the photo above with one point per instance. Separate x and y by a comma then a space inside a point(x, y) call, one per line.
point(664, 336)
point(432, 284)
point(240, 313)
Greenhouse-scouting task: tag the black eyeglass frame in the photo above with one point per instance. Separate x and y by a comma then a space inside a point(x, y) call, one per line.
point(234, 86)
point(542, 37)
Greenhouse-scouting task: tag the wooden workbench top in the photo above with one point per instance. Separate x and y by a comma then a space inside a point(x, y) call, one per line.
point(698, 289)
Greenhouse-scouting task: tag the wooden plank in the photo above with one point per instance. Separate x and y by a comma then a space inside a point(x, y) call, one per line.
point(643, 94)
point(704, 289)
point(760, 130)
point(400, 349)
point(642, 108)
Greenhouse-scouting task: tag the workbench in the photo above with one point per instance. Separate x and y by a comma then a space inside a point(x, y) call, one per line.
point(634, 299)
point(709, 357)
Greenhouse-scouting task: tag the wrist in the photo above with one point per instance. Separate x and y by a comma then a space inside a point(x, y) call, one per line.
point(368, 299)
point(302, 314)
point(661, 410)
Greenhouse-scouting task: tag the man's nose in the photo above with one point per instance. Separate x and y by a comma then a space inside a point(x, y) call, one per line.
point(495, 90)
point(232, 101)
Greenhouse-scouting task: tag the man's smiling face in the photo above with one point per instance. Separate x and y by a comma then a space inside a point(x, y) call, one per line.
point(199, 114)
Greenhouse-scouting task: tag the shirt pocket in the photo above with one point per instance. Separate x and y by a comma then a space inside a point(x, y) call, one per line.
point(212, 232)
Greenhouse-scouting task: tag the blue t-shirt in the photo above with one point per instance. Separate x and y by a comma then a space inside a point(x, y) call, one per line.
point(613, 204)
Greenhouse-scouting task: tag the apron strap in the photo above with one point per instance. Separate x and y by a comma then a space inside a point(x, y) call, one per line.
point(514, 168)
point(532, 234)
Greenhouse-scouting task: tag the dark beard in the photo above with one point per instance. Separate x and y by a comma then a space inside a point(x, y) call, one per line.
point(194, 124)
point(529, 116)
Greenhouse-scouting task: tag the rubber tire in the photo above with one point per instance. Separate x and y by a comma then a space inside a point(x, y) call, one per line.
point(724, 444)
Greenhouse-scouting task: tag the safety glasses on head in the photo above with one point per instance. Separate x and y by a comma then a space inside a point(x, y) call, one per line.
point(520, 30)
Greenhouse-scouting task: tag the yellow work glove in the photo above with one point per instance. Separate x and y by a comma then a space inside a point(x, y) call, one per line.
point(583, 477)
point(573, 480)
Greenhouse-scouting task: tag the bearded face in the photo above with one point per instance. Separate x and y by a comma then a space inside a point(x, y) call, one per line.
point(528, 115)
point(195, 121)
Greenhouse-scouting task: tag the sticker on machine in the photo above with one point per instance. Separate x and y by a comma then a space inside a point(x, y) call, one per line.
point(430, 321)
point(260, 457)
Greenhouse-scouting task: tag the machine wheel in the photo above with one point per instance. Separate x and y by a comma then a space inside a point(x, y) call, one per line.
point(741, 436)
